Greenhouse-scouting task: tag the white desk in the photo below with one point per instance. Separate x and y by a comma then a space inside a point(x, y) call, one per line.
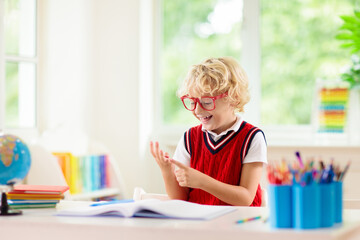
point(42, 224)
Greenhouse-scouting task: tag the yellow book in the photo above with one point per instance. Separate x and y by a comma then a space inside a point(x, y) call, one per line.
point(35, 196)
point(74, 172)
point(79, 183)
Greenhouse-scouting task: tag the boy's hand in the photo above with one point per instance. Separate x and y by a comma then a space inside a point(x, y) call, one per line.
point(187, 176)
point(162, 158)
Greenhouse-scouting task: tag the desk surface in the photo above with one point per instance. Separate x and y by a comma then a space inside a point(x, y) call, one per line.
point(43, 224)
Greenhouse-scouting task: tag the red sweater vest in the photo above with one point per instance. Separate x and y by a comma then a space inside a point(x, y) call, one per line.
point(221, 160)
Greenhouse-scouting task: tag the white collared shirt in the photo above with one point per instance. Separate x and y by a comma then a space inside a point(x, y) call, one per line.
point(257, 151)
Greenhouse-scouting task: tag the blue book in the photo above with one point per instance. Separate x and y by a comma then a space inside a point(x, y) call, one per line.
point(95, 172)
point(102, 172)
point(88, 172)
point(83, 166)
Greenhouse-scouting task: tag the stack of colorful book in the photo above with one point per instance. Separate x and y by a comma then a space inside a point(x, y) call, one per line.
point(86, 173)
point(35, 196)
point(332, 109)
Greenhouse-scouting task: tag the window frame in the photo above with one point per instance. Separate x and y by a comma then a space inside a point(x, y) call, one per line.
point(277, 135)
point(2, 68)
point(251, 61)
point(27, 133)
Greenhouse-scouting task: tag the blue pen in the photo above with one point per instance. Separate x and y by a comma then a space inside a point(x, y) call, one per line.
point(324, 176)
point(331, 174)
point(328, 175)
point(112, 202)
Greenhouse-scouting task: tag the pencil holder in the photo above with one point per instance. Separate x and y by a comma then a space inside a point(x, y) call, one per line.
point(280, 206)
point(338, 202)
point(306, 206)
point(327, 208)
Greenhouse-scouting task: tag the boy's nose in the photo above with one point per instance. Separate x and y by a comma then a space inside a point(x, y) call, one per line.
point(198, 108)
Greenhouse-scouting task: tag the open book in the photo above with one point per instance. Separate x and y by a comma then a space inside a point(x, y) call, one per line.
point(151, 208)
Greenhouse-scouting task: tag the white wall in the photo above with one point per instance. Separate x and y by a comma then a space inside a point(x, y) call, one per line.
point(116, 84)
point(90, 79)
point(66, 63)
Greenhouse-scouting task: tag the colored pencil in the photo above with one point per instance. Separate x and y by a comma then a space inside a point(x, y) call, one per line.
point(248, 219)
point(344, 172)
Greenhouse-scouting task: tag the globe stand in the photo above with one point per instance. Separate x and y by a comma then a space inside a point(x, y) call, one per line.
point(5, 209)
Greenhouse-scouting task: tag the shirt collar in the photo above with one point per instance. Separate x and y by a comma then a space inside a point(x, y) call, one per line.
point(234, 127)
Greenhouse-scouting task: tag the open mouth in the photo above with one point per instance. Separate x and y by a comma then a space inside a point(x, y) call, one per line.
point(205, 119)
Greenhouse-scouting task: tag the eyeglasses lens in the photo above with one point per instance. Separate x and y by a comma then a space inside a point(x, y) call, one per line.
point(207, 103)
point(189, 103)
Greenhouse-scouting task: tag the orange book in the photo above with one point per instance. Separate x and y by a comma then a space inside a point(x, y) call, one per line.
point(61, 162)
point(65, 164)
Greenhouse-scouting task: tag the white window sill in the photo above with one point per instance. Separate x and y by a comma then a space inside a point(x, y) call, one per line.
point(290, 136)
point(306, 136)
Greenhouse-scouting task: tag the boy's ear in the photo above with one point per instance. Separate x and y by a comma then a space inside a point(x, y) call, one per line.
point(234, 107)
point(232, 104)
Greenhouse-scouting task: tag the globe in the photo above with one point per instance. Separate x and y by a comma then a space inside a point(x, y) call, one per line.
point(15, 159)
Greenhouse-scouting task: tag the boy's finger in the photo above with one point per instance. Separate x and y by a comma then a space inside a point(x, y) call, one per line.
point(156, 150)
point(178, 164)
point(152, 149)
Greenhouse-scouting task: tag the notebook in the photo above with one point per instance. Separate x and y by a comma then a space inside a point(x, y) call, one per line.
point(153, 208)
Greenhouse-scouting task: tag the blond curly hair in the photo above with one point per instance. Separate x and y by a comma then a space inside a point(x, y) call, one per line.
point(216, 76)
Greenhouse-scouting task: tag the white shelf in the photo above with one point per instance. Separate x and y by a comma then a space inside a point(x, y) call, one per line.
point(44, 159)
point(96, 194)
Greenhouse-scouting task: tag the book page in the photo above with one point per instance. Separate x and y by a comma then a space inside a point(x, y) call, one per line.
point(152, 208)
point(119, 209)
point(181, 209)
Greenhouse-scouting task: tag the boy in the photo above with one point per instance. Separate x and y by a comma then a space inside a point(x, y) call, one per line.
point(220, 161)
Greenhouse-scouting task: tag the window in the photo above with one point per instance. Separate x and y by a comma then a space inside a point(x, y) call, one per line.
point(296, 45)
point(192, 32)
point(19, 54)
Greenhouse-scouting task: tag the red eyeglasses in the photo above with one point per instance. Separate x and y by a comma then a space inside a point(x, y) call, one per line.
point(206, 103)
